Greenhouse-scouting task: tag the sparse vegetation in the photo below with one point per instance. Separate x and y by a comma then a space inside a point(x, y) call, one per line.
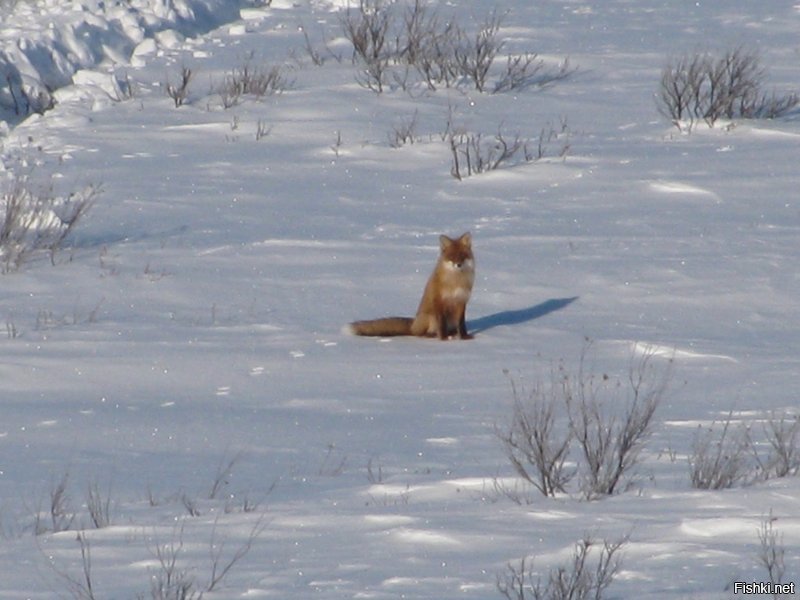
point(537, 442)
point(179, 92)
point(413, 45)
point(703, 87)
point(586, 576)
point(607, 419)
point(252, 81)
point(611, 426)
point(771, 552)
point(37, 221)
point(782, 434)
point(725, 454)
point(473, 153)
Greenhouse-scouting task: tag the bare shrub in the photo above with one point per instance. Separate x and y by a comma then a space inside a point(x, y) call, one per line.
point(58, 515)
point(528, 70)
point(579, 579)
point(429, 46)
point(391, 46)
point(724, 454)
point(612, 419)
point(98, 505)
point(367, 28)
point(534, 442)
point(223, 474)
point(701, 87)
point(771, 552)
point(171, 581)
point(608, 419)
point(404, 132)
point(79, 587)
point(262, 130)
point(180, 92)
point(476, 55)
point(248, 80)
point(313, 53)
point(220, 564)
point(719, 459)
point(783, 436)
point(35, 221)
point(69, 214)
point(472, 153)
point(61, 514)
point(334, 462)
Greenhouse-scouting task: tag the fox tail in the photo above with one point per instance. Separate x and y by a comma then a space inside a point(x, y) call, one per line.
point(387, 327)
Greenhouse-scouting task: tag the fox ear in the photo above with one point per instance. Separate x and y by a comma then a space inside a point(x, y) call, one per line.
point(466, 239)
point(444, 242)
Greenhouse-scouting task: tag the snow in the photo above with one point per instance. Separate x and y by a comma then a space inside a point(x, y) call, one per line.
point(197, 318)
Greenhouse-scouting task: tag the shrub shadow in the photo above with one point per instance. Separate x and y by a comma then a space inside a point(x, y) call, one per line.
point(516, 317)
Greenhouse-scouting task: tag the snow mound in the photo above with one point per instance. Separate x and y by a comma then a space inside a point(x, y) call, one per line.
point(39, 55)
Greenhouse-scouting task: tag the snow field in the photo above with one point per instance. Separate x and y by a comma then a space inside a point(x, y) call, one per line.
point(197, 318)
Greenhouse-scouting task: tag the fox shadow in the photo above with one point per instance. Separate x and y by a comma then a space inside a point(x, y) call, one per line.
point(516, 317)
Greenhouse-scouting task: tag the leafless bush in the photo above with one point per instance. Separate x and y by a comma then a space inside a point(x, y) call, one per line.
point(608, 419)
point(223, 474)
point(429, 45)
point(171, 581)
point(220, 564)
point(98, 505)
point(701, 87)
point(58, 515)
point(61, 515)
point(472, 153)
point(333, 464)
point(368, 29)
point(723, 458)
point(437, 49)
point(262, 130)
point(180, 92)
point(611, 420)
point(404, 132)
point(80, 587)
point(248, 80)
point(476, 55)
point(549, 135)
point(772, 552)
point(313, 53)
point(528, 70)
point(68, 214)
point(174, 581)
point(720, 460)
point(374, 471)
point(38, 221)
point(579, 579)
point(782, 434)
point(534, 442)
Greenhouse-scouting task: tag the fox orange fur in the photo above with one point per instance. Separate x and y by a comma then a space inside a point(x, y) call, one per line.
point(442, 310)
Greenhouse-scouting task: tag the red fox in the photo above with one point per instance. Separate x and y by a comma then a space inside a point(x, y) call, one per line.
point(441, 311)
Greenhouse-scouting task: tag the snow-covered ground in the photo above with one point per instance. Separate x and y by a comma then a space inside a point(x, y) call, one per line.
point(196, 319)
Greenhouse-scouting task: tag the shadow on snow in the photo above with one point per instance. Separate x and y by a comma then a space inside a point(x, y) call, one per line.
point(516, 317)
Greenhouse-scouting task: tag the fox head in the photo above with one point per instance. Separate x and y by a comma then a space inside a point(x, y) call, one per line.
point(458, 252)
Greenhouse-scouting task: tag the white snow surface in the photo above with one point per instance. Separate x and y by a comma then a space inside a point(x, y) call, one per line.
point(196, 318)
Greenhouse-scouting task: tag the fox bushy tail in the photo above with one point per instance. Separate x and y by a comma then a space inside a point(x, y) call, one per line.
point(390, 326)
